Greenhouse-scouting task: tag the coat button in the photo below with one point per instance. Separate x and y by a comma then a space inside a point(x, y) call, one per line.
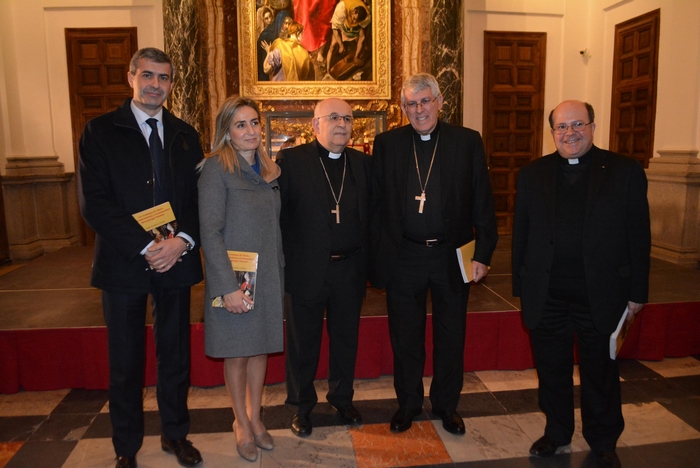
point(149, 182)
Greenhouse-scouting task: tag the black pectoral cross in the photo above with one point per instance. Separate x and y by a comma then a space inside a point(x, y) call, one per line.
point(420, 198)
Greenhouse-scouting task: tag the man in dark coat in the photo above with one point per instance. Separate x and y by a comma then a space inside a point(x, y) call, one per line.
point(431, 195)
point(581, 243)
point(325, 226)
point(126, 169)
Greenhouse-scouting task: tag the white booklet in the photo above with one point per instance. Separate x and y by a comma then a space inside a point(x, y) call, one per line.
point(620, 333)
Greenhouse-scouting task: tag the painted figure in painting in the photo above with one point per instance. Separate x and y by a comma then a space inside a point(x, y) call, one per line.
point(337, 38)
point(349, 24)
point(287, 60)
point(277, 29)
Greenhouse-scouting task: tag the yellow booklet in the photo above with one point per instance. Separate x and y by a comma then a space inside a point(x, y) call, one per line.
point(620, 333)
point(465, 254)
point(245, 267)
point(159, 221)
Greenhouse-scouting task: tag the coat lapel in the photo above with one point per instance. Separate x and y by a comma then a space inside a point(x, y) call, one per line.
point(357, 171)
point(549, 188)
point(317, 178)
point(404, 160)
point(597, 178)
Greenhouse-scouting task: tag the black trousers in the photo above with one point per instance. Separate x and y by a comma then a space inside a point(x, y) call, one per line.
point(566, 314)
point(418, 270)
point(341, 297)
point(125, 316)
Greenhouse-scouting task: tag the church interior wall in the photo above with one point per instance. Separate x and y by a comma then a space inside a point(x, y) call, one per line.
point(34, 100)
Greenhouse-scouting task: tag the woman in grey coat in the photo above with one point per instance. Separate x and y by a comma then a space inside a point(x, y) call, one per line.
point(239, 207)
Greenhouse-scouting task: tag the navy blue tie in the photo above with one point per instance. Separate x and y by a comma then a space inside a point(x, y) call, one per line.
point(159, 169)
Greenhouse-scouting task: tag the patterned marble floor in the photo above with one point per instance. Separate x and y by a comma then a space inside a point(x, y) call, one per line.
point(661, 405)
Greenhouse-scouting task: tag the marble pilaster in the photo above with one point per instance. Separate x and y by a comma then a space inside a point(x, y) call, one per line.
point(674, 205)
point(446, 52)
point(182, 24)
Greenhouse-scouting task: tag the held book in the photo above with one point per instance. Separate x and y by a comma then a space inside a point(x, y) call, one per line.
point(620, 333)
point(159, 221)
point(245, 267)
point(465, 254)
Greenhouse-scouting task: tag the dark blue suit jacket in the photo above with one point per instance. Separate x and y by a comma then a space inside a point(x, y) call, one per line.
point(116, 180)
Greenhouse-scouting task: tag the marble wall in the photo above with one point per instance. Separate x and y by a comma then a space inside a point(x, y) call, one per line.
point(446, 52)
point(184, 26)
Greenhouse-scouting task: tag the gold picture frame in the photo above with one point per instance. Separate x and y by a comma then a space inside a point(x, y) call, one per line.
point(294, 128)
point(355, 86)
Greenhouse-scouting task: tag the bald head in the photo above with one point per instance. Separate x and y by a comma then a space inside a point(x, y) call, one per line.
point(333, 135)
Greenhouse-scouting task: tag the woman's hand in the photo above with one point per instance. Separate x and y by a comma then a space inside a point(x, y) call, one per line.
point(237, 302)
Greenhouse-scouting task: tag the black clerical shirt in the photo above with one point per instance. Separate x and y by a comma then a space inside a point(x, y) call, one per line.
point(426, 225)
point(345, 237)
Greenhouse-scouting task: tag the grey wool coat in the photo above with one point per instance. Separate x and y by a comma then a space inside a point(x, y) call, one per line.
point(240, 211)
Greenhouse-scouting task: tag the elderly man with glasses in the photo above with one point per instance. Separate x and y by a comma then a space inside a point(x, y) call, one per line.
point(431, 195)
point(325, 227)
point(581, 243)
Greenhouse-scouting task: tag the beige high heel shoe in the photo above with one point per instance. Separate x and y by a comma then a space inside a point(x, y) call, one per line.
point(264, 441)
point(247, 450)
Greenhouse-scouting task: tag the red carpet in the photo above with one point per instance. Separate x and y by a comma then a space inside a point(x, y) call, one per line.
point(39, 359)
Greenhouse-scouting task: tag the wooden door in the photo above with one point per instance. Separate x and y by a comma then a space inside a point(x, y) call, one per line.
point(4, 243)
point(98, 61)
point(514, 66)
point(635, 67)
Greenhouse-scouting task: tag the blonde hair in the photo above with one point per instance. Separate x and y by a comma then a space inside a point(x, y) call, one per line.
point(222, 147)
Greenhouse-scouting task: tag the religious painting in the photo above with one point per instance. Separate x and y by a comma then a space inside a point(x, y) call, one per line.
point(314, 49)
point(287, 129)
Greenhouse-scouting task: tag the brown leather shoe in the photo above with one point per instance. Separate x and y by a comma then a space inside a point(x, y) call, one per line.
point(451, 421)
point(544, 447)
point(403, 419)
point(126, 462)
point(301, 425)
point(608, 460)
point(183, 449)
point(349, 415)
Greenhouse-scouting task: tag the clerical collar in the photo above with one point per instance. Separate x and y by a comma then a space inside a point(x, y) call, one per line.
point(577, 161)
point(323, 152)
point(430, 135)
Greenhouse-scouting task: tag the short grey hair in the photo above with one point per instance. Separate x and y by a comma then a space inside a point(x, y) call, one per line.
point(153, 55)
point(418, 83)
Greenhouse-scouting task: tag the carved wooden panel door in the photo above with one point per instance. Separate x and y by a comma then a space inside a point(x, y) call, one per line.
point(635, 67)
point(98, 61)
point(514, 66)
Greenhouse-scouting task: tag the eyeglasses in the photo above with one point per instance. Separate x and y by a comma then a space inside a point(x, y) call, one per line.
point(425, 102)
point(575, 126)
point(336, 119)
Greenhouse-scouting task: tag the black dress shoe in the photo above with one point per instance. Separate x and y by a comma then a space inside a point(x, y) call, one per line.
point(403, 419)
point(301, 425)
point(126, 462)
point(544, 447)
point(183, 449)
point(608, 460)
point(349, 415)
point(451, 421)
